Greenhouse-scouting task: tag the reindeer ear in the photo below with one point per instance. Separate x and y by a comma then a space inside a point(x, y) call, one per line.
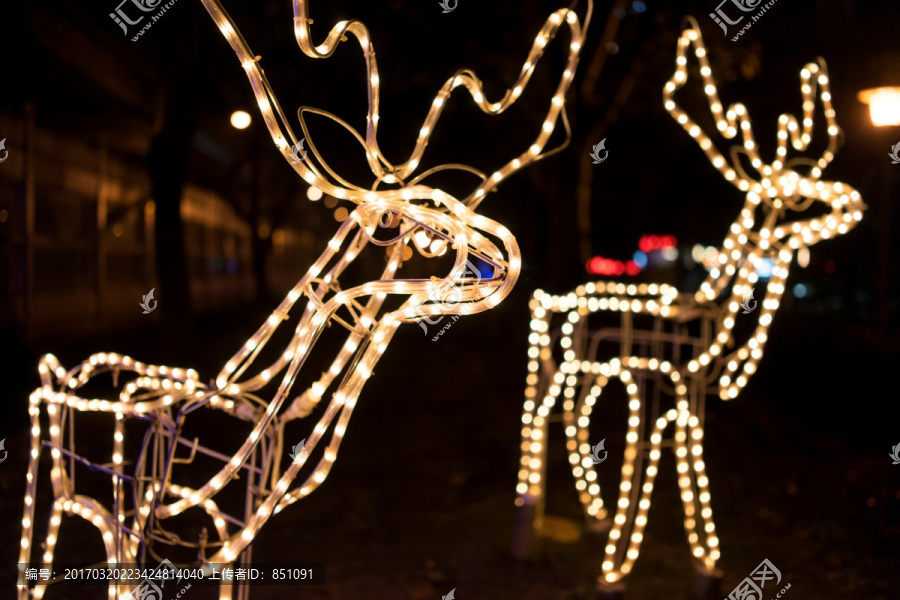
point(727, 122)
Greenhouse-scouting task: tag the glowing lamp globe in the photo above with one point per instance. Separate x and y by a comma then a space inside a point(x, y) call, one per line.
point(240, 119)
point(884, 105)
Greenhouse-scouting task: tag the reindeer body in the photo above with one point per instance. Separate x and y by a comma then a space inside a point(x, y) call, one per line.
point(669, 346)
point(148, 498)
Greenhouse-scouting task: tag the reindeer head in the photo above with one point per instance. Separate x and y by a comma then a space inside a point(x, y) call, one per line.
point(770, 224)
point(413, 207)
point(776, 190)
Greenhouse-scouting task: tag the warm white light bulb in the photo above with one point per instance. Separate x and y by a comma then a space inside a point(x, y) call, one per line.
point(240, 119)
point(313, 193)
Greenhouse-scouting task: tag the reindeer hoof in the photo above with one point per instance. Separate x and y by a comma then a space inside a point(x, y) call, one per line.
point(600, 527)
point(706, 585)
point(610, 591)
point(527, 543)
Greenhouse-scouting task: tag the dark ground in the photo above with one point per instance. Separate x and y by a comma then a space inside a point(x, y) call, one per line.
point(421, 499)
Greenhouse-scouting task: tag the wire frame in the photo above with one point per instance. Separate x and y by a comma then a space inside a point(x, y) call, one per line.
point(658, 341)
point(148, 489)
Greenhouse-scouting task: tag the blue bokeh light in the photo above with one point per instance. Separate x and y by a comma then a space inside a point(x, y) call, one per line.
point(485, 270)
point(764, 270)
point(638, 6)
point(640, 259)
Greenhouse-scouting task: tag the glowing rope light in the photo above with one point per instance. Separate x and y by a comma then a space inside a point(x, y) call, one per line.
point(745, 250)
point(165, 396)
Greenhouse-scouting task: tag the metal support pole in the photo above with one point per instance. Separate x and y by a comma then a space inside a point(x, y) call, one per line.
point(30, 144)
point(100, 256)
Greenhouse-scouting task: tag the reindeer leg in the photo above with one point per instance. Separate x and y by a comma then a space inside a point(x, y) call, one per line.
point(694, 487)
point(532, 473)
point(31, 482)
point(627, 531)
point(576, 420)
point(627, 524)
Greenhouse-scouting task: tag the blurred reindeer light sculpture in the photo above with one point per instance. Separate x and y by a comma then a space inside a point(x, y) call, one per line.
point(144, 504)
point(699, 325)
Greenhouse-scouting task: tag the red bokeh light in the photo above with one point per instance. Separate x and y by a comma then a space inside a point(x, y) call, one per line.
point(649, 243)
point(608, 266)
point(632, 268)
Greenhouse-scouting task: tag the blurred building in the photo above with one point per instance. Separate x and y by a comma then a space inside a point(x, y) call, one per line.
point(77, 214)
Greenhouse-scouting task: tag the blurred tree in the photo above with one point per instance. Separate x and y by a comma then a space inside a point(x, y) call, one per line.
point(184, 53)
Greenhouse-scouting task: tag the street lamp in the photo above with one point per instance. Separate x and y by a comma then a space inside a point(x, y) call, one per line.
point(884, 105)
point(884, 111)
point(240, 119)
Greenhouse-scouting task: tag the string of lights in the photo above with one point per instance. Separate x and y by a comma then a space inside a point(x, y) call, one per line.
point(163, 397)
point(715, 364)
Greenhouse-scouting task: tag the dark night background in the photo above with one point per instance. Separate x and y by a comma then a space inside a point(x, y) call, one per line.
point(421, 499)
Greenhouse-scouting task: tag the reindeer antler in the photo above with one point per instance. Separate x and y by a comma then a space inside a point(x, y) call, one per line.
point(383, 169)
point(814, 75)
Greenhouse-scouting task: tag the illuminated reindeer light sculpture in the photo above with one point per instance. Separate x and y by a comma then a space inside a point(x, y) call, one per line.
point(682, 344)
point(149, 502)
